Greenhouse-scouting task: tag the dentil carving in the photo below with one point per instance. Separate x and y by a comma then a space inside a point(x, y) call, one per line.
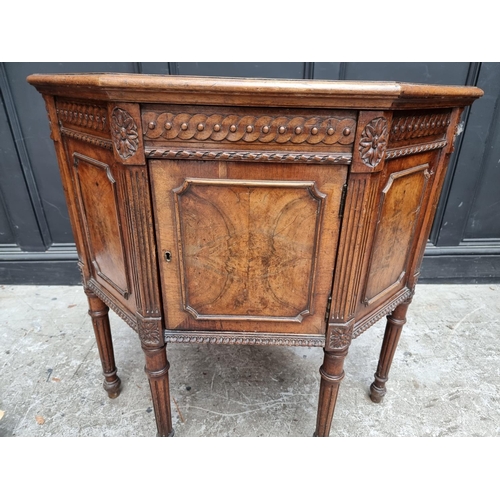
point(373, 142)
point(125, 134)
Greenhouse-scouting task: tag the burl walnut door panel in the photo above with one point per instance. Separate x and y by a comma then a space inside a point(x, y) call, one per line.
point(243, 251)
point(99, 203)
point(401, 209)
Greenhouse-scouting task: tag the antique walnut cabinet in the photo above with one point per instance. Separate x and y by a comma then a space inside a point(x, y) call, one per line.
point(240, 211)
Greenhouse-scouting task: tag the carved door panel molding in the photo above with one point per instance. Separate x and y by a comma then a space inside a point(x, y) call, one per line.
point(260, 242)
point(241, 248)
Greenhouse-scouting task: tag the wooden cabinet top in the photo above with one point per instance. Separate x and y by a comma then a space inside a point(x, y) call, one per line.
point(252, 92)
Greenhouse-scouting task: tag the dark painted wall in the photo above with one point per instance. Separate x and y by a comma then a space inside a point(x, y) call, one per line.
point(36, 244)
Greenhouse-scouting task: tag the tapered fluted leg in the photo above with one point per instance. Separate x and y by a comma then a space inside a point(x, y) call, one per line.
point(393, 329)
point(98, 311)
point(332, 373)
point(157, 370)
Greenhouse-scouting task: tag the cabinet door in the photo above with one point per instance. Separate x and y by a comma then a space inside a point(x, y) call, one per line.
point(246, 247)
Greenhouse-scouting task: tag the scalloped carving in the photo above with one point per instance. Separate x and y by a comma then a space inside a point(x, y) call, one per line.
point(234, 128)
point(83, 115)
point(415, 126)
point(373, 142)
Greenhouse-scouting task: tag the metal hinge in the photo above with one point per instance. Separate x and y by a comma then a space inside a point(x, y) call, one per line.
point(342, 200)
point(328, 307)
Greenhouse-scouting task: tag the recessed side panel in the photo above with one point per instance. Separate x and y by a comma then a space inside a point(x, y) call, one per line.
point(97, 193)
point(255, 243)
point(398, 214)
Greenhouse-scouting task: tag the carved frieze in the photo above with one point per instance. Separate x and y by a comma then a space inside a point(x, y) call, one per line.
point(82, 115)
point(417, 126)
point(249, 128)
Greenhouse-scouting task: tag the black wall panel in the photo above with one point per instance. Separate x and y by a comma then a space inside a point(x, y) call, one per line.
point(36, 243)
point(438, 73)
point(6, 236)
point(246, 70)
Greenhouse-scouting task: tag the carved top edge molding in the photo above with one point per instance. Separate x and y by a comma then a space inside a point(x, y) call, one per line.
point(259, 91)
point(283, 157)
point(416, 126)
point(83, 115)
point(249, 129)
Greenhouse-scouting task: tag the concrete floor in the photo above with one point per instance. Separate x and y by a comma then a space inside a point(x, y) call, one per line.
point(445, 379)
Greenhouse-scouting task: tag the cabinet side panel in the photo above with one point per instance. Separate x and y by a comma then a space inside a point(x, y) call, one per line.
point(405, 189)
point(399, 210)
point(99, 204)
point(73, 134)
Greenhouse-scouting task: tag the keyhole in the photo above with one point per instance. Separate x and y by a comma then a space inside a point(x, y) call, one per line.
point(168, 256)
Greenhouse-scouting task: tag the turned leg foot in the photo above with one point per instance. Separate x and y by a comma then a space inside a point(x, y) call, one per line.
point(393, 329)
point(157, 370)
point(98, 311)
point(332, 373)
point(377, 389)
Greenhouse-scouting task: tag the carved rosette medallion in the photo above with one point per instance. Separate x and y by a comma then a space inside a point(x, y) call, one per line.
point(373, 142)
point(124, 132)
point(149, 332)
point(340, 338)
